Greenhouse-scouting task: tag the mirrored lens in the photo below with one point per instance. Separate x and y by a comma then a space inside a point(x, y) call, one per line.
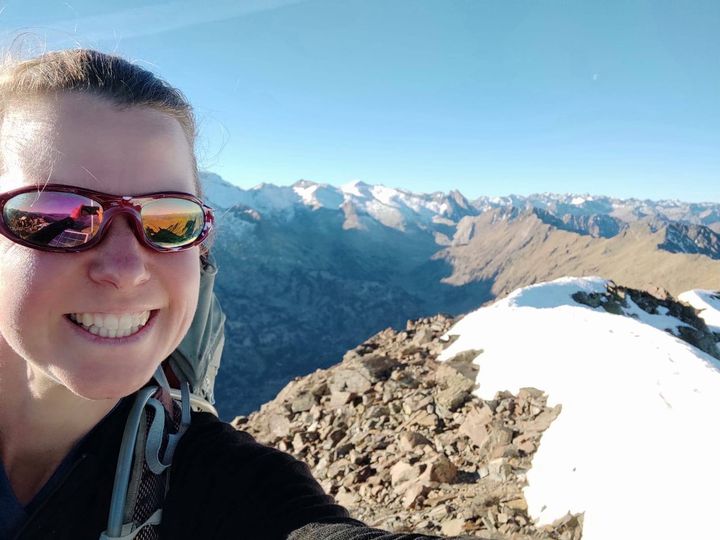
point(171, 223)
point(54, 219)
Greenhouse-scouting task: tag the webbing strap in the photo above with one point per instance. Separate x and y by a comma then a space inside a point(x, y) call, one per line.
point(117, 528)
point(128, 533)
point(156, 463)
point(124, 464)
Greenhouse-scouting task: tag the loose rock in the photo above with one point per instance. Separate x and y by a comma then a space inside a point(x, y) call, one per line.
point(402, 442)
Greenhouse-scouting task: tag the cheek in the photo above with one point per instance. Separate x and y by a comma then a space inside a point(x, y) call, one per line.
point(31, 284)
point(18, 271)
point(183, 276)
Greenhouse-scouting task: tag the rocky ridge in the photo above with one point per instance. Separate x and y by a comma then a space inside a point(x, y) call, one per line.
point(620, 300)
point(404, 443)
point(400, 440)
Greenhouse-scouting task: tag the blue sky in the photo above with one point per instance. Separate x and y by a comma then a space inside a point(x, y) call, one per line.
point(489, 97)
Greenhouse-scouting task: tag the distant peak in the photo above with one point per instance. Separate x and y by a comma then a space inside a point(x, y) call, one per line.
point(459, 199)
point(358, 183)
point(302, 183)
point(357, 188)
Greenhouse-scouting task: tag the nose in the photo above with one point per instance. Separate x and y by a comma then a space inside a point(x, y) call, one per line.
point(119, 259)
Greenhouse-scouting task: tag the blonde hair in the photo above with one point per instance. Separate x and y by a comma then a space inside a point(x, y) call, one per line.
point(109, 77)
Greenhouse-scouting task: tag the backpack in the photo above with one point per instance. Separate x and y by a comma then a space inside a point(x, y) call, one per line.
point(160, 416)
point(197, 358)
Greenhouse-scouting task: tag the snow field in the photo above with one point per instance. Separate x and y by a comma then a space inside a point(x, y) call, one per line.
point(634, 445)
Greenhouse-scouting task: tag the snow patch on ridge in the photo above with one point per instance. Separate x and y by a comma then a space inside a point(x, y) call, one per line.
point(661, 321)
point(707, 303)
point(554, 294)
point(636, 406)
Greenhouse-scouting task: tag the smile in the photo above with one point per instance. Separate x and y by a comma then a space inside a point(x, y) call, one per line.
point(111, 325)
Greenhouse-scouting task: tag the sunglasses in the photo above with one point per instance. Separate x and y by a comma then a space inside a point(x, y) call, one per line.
point(68, 219)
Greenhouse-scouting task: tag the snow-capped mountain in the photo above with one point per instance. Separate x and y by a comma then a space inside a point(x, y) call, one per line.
point(308, 270)
point(394, 208)
point(376, 200)
point(632, 447)
point(624, 210)
point(695, 226)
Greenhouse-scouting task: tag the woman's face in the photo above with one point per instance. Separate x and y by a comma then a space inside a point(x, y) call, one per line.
point(83, 141)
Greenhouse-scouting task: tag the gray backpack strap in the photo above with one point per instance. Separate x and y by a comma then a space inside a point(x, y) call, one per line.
point(197, 358)
point(146, 452)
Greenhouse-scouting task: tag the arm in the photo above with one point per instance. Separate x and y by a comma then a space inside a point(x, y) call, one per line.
point(226, 485)
point(349, 531)
point(303, 511)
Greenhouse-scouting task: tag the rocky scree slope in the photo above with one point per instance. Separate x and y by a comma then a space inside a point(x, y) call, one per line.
point(400, 440)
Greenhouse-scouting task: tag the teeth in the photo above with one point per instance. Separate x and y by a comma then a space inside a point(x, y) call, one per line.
point(111, 325)
point(111, 321)
point(126, 321)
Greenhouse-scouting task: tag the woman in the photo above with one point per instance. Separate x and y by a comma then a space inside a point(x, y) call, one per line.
point(90, 311)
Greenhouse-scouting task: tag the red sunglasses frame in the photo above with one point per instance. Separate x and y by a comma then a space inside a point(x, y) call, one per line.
point(112, 206)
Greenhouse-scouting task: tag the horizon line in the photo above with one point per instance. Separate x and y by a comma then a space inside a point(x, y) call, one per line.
point(259, 185)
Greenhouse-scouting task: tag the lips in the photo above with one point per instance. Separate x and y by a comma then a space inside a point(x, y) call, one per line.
point(111, 325)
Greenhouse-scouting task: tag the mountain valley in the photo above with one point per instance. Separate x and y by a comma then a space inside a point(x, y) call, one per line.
point(310, 270)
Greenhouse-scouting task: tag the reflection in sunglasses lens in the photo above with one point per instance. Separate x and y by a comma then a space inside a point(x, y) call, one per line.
point(54, 219)
point(170, 223)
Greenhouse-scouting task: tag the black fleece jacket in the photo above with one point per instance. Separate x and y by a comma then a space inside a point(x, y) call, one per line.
point(223, 485)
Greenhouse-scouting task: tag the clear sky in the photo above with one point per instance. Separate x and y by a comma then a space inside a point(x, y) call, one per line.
point(616, 97)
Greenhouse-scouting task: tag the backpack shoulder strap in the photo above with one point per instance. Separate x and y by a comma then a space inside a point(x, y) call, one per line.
point(153, 429)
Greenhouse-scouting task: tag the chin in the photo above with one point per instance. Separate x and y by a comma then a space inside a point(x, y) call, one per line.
point(102, 386)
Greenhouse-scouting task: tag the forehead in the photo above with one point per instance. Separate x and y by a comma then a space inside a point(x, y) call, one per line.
point(85, 141)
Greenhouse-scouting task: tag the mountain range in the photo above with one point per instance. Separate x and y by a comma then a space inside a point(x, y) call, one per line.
point(309, 270)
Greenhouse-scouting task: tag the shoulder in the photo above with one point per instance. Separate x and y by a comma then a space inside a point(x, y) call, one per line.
point(212, 448)
point(208, 434)
point(223, 475)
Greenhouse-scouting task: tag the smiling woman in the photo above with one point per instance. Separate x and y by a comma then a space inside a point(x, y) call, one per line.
point(100, 270)
point(89, 142)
